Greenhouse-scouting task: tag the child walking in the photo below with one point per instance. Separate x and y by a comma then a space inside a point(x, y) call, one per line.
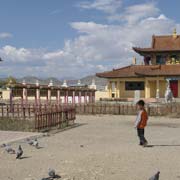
point(141, 122)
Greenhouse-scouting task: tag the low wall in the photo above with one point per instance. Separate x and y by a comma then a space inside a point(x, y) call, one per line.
point(127, 109)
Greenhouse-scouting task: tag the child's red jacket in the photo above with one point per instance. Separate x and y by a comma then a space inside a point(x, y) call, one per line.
point(141, 120)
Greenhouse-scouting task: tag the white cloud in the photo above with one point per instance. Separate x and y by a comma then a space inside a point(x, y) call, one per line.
point(19, 55)
point(135, 13)
point(98, 47)
point(53, 55)
point(5, 35)
point(108, 6)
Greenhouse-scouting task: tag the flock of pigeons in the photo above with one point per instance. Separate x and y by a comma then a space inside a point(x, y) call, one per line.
point(19, 152)
point(51, 172)
point(19, 155)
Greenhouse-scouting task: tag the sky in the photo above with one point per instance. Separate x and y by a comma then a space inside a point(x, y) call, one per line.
point(76, 38)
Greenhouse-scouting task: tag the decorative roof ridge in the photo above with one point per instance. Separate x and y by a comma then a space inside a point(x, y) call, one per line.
point(163, 36)
point(129, 66)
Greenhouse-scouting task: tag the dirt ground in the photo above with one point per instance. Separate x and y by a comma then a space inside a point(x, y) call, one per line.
point(100, 148)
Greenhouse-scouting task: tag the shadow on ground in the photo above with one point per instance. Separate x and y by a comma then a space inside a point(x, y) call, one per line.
point(162, 145)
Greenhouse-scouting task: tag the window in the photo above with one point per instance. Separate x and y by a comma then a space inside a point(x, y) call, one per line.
point(135, 85)
point(160, 59)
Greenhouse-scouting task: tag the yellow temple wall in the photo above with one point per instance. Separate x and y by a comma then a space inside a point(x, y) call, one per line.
point(128, 94)
point(150, 90)
point(162, 88)
point(101, 94)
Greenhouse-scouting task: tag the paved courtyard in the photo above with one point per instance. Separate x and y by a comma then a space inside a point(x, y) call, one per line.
point(10, 136)
point(100, 148)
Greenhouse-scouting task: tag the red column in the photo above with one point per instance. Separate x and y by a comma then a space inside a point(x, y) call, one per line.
point(79, 97)
point(90, 97)
point(49, 96)
point(38, 96)
point(85, 97)
point(67, 96)
point(11, 98)
point(73, 97)
point(93, 97)
point(58, 97)
point(23, 96)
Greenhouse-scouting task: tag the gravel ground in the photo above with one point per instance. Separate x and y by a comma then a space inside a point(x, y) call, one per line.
point(11, 136)
point(100, 148)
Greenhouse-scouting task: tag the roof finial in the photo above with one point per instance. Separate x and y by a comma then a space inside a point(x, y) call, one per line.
point(174, 33)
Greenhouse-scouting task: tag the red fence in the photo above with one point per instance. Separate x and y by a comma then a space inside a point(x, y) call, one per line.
point(44, 116)
point(50, 118)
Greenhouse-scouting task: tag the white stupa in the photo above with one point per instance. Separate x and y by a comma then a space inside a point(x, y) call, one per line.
point(65, 84)
point(50, 83)
point(93, 85)
point(37, 82)
point(79, 83)
point(24, 82)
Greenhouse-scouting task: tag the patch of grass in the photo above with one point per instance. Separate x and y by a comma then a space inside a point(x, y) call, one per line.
point(15, 124)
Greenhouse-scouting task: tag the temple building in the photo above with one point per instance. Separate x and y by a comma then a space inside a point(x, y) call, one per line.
point(161, 65)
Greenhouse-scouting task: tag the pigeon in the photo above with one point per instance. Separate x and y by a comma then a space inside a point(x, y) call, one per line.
point(35, 143)
point(155, 177)
point(32, 142)
point(3, 145)
point(19, 152)
point(29, 141)
point(9, 149)
point(52, 173)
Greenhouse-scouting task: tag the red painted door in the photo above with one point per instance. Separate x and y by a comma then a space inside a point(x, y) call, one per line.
point(174, 88)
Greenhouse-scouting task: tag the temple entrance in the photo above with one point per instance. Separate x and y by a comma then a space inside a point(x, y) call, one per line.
point(174, 87)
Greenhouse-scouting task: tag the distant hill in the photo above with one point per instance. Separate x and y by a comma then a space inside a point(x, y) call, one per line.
point(100, 82)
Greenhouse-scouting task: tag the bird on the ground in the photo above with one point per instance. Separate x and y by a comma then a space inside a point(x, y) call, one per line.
point(155, 177)
point(19, 152)
point(3, 145)
point(52, 173)
point(35, 143)
point(29, 141)
point(9, 149)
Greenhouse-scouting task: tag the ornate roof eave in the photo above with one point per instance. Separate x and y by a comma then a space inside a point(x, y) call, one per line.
point(144, 51)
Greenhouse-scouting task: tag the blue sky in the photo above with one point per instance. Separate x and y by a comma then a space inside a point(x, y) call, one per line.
point(76, 38)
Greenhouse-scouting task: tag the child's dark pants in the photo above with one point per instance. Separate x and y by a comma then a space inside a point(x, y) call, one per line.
point(142, 139)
